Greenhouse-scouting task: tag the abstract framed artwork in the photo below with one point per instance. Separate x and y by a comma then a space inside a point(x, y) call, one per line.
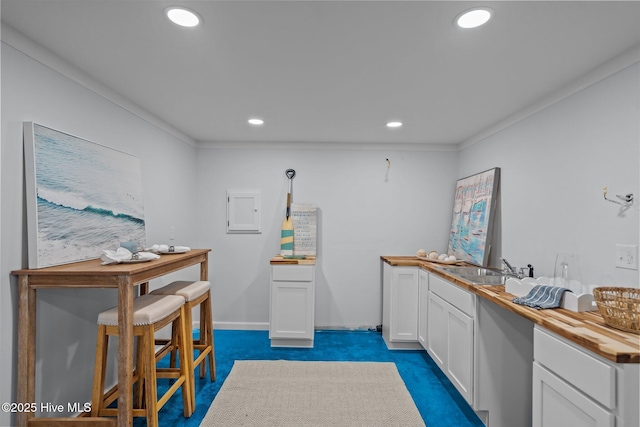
point(473, 216)
point(81, 197)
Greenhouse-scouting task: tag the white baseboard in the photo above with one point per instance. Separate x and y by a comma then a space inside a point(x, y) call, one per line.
point(361, 328)
point(264, 326)
point(240, 326)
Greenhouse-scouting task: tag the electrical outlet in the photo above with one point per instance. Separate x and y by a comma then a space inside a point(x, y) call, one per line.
point(627, 256)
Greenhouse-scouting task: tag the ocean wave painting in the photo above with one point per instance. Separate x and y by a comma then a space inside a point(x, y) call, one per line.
point(84, 198)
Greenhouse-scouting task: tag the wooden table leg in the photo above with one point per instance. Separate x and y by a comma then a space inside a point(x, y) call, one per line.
point(26, 348)
point(204, 268)
point(125, 352)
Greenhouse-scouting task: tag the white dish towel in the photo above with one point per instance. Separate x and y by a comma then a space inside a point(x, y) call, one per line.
point(123, 254)
point(163, 249)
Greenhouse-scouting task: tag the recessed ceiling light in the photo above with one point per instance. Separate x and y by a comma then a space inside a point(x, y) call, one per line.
point(256, 122)
point(394, 124)
point(473, 18)
point(182, 16)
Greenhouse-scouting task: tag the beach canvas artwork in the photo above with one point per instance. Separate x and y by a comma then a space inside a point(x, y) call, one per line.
point(473, 212)
point(82, 197)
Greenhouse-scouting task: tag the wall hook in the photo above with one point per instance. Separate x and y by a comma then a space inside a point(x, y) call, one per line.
point(627, 199)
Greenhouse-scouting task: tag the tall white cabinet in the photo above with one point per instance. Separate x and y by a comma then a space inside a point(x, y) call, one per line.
point(292, 308)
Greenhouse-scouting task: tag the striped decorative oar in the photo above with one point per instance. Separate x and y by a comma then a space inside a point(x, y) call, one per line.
point(286, 235)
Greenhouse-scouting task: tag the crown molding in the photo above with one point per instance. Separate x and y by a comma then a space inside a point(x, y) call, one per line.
point(609, 68)
point(347, 146)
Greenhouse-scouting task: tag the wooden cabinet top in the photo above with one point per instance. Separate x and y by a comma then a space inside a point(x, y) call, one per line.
point(280, 260)
point(586, 329)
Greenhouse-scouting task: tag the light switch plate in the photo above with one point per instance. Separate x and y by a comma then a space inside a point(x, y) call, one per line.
point(627, 256)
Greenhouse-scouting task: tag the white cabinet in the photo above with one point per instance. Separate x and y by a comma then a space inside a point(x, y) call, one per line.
point(484, 350)
point(557, 404)
point(423, 307)
point(450, 337)
point(400, 307)
point(292, 310)
point(572, 386)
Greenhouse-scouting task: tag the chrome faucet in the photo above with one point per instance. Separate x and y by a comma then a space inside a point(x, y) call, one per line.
point(508, 269)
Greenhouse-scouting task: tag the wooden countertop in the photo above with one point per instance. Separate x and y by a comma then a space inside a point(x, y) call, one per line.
point(279, 260)
point(586, 329)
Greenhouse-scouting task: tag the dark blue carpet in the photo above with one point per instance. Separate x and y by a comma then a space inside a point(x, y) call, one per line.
point(438, 401)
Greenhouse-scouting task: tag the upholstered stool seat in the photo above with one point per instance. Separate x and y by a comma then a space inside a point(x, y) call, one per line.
point(150, 313)
point(186, 289)
point(196, 293)
point(146, 310)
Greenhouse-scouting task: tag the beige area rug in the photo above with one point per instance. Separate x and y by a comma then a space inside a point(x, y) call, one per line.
point(300, 394)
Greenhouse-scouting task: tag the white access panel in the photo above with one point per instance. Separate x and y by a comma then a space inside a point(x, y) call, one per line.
point(243, 211)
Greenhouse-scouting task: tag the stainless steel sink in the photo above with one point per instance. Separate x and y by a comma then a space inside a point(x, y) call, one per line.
point(486, 280)
point(478, 275)
point(472, 271)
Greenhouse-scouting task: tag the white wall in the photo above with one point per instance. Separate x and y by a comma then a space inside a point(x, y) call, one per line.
point(66, 320)
point(365, 212)
point(554, 166)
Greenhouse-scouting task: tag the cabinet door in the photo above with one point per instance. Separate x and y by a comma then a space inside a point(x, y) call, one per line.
point(404, 304)
point(437, 329)
point(291, 310)
point(243, 211)
point(557, 404)
point(460, 351)
point(423, 306)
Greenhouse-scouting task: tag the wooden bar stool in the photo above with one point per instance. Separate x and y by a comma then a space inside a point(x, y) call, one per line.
point(150, 313)
point(196, 293)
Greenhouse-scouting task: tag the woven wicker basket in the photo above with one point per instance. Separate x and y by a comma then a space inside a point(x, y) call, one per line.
point(620, 307)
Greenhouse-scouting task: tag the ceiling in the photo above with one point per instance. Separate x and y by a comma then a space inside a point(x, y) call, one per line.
point(331, 71)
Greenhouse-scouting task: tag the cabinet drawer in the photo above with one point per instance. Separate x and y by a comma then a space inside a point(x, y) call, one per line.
point(292, 273)
point(458, 297)
point(595, 378)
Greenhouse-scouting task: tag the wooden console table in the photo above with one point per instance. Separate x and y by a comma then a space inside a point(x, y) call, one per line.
point(90, 274)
